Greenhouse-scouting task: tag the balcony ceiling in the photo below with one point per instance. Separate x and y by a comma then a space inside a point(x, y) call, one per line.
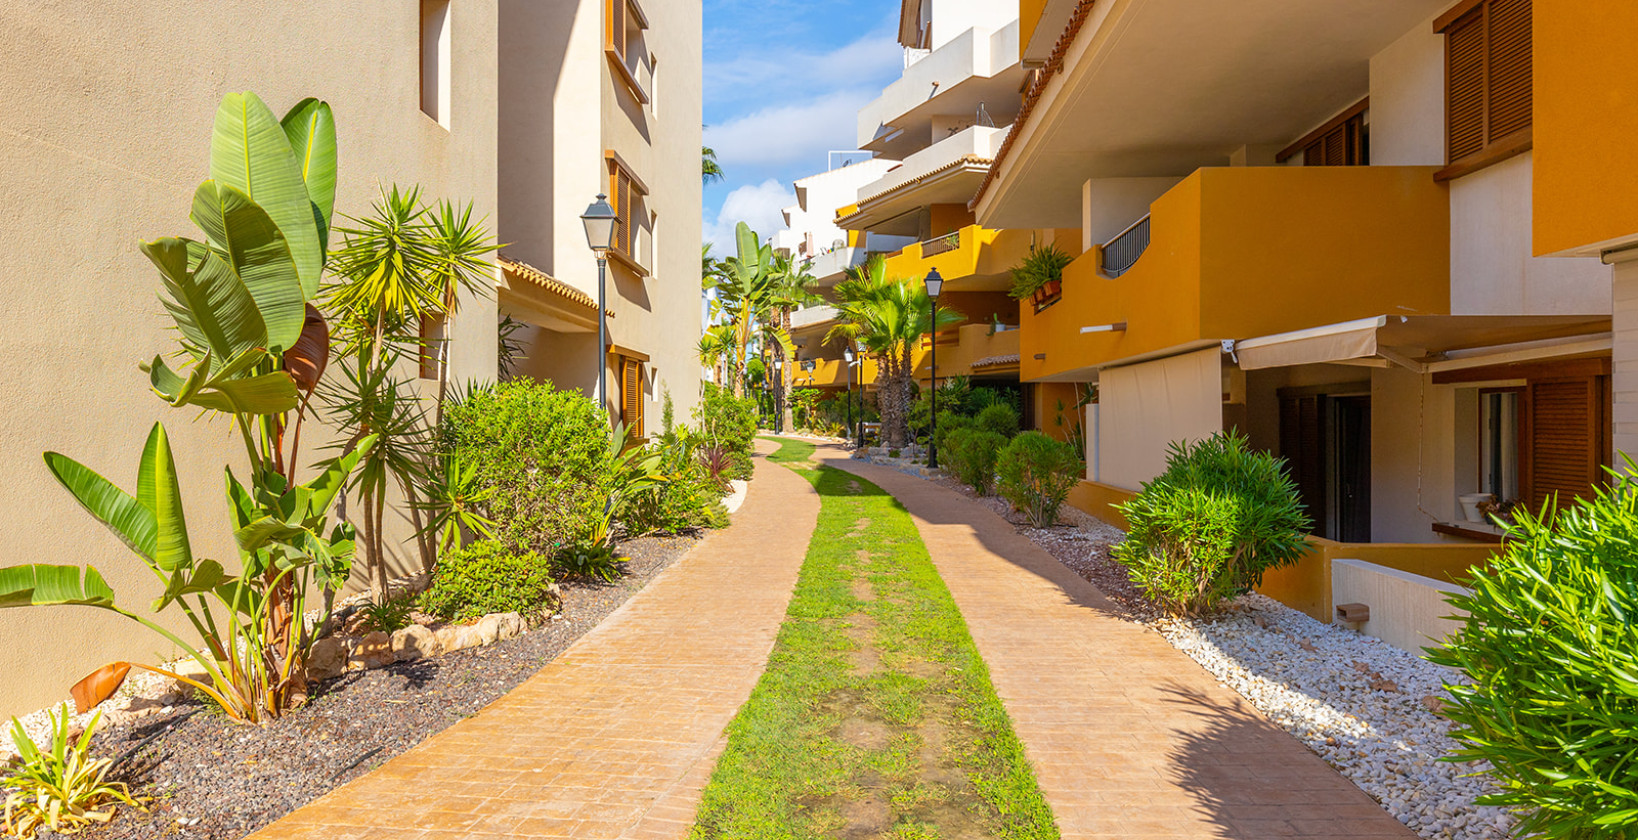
point(1163, 87)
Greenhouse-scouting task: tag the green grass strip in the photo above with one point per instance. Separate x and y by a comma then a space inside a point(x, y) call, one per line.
point(875, 716)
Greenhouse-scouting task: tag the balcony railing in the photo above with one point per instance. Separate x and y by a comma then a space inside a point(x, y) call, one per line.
point(1122, 252)
point(942, 245)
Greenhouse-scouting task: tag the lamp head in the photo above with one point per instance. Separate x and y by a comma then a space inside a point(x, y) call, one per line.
point(935, 284)
point(600, 220)
point(847, 354)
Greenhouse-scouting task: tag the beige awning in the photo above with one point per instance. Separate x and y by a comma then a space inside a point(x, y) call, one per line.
point(1332, 343)
point(1415, 341)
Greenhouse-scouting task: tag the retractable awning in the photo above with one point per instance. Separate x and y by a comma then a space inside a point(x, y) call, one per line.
point(1411, 340)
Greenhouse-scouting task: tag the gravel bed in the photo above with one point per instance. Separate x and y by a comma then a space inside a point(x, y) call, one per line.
point(1366, 707)
point(213, 779)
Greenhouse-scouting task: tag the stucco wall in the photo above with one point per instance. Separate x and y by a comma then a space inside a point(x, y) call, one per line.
point(1408, 611)
point(1412, 456)
point(1492, 268)
point(105, 135)
point(1408, 100)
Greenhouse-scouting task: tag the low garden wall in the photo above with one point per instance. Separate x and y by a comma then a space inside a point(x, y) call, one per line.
point(1307, 585)
point(1407, 610)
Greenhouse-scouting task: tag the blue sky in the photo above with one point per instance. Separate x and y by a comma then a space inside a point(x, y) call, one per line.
point(784, 80)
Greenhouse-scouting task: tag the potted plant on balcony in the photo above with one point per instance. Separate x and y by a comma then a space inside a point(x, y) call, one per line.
point(1040, 275)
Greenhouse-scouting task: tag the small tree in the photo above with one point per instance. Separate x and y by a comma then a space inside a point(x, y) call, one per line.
point(1208, 527)
point(1036, 474)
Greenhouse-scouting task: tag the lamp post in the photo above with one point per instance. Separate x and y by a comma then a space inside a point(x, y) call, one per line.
point(847, 356)
point(600, 221)
point(935, 284)
point(779, 396)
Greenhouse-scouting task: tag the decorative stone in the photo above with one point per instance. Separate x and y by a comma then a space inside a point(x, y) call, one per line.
point(507, 625)
point(374, 650)
point(455, 637)
point(190, 668)
point(326, 659)
point(415, 642)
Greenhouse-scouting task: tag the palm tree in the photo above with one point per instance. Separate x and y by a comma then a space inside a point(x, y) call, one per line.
point(747, 291)
point(710, 170)
point(887, 317)
point(714, 348)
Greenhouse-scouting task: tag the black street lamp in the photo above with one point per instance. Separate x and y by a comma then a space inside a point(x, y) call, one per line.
point(779, 396)
point(847, 356)
point(600, 221)
point(935, 284)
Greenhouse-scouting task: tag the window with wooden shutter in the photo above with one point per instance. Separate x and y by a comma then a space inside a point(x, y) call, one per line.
point(625, 44)
point(1566, 439)
point(631, 395)
point(626, 194)
point(1488, 72)
point(1342, 141)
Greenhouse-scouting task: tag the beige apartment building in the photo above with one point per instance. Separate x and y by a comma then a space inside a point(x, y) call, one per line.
point(526, 109)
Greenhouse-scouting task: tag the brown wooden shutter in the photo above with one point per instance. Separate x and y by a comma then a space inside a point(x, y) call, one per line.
point(1566, 439)
point(616, 17)
point(1464, 78)
point(620, 195)
point(631, 394)
point(1300, 444)
point(1508, 97)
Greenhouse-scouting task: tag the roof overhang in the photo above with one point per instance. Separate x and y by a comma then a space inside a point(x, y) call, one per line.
point(1163, 87)
point(952, 183)
point(532, 295)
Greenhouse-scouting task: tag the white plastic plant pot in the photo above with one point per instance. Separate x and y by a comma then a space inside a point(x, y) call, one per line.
point(1470, 505)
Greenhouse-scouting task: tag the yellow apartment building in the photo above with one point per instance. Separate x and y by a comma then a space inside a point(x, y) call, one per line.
point(1368, 235)
point(527, 110)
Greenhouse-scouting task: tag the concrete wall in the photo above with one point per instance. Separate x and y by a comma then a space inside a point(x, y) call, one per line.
point(1408, 610)
point(1624, 378)
point(1492, 269)
point(105, 135)
point(1408, 100)
point(1413, 456)
point(953, 17)
point(1111, 205)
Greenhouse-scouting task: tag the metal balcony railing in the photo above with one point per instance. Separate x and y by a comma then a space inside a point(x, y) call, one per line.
point(1122, 252)
point(942, 245)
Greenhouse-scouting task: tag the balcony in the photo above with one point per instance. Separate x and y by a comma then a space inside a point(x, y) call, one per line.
point(832, 373)
point(1247, 251)
point(973, 258)
point(974, 350)
point(947, 172)
point(978, 68)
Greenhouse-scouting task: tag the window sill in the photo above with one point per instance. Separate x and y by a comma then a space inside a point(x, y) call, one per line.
point(1475, 531)
point(1513, 145)
point(618, 64)
point(629, 262)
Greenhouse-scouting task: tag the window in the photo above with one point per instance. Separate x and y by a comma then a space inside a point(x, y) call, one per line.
point(631, 395)
point(435, 57)
point(1488, 70)
point(433, 345)
point(1499, 451)
point(627, 47)
point(1342, 141)
point(628, 194)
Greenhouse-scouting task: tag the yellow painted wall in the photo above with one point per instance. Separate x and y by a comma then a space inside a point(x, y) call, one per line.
point(1306, 586)
point(1586, 116)
point(1029, 17)
point(1100, 501)
point(1048, 396)
point(1245, 251)
point(949, 218)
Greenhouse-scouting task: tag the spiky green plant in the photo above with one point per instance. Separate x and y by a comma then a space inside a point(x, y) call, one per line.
point(62, 789)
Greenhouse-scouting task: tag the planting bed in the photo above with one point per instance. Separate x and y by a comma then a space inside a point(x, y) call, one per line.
point(213, 779)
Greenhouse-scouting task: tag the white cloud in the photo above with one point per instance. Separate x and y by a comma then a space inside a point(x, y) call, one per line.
point(789, 135)
point(778, 72)
point(758, 205)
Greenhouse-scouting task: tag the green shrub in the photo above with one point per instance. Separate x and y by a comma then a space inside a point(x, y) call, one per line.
point(389, 615)
point(544, 453)
point(971, 454)
point(590, 560)
point(1550, 643)
point(999, 418)
point(948, 426)
point(728, 422)
point(687, 498)
point(1207, 528)
point(1035, 473)
point(486, 577)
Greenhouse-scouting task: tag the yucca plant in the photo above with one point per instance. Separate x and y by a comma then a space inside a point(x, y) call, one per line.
point(62, 789)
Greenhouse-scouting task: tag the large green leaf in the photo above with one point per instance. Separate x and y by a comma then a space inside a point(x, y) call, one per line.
point(123, 514)
point(159, 491)
point(258, 253)
point(204, 576)
point(329, 483)
point(311, 130)
point(268, 393)
point(250, 151)
point(44, 586)
point(214, 311)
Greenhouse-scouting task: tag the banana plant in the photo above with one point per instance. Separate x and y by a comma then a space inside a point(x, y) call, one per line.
point(281, 536)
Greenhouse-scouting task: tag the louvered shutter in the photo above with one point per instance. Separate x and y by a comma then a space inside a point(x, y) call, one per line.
point(1300, 444)
point(1565, 439)
point(617, 26)
point(1465, 81)
point(1508, 97)
point(631, 393)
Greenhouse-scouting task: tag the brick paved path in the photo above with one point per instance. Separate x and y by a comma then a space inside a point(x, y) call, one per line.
point(617, 736)
point(1129, 737)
